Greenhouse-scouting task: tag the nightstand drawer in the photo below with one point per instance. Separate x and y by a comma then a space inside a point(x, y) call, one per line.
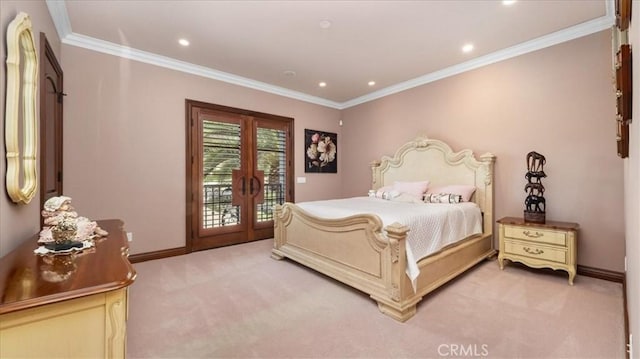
point(538, 252)
point(538, 245)
point(536, 234)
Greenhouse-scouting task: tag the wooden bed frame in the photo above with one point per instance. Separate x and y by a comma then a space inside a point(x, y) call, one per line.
point(357, 251)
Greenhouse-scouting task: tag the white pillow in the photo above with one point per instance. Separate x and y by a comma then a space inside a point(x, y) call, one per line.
point(466, 191)
point(416, 188)
point(442, 198)
point(386, 192)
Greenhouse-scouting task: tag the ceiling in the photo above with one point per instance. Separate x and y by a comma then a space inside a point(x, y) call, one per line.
point(259, 44)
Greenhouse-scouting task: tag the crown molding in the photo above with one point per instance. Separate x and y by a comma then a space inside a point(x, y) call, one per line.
point(110, 48)
point(60, 17)
point(571, 33)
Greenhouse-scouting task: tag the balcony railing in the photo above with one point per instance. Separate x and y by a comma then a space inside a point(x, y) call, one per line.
point(218, 210)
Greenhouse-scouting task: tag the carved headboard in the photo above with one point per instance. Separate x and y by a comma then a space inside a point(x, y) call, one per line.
point(434, 160)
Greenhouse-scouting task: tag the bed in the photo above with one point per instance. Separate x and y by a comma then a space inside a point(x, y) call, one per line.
point(362, 252)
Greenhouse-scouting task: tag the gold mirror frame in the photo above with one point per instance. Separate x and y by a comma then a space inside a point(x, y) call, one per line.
point(20, 41)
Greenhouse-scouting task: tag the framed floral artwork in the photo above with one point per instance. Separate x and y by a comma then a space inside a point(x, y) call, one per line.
point(320, 151)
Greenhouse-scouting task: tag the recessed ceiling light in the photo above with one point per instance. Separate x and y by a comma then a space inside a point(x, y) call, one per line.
point(183, 42)
point(372, 83)
point(508, 2)
point(325, 24)
point(322, 84)
point(467, 48)
point(289, 73)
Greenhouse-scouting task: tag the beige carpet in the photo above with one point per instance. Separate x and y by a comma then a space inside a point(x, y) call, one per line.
point(238, 302)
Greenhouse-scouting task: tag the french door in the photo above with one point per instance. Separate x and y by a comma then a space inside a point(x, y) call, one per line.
point(239, 167)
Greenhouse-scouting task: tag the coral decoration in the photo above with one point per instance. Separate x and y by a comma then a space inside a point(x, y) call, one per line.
point(60, 217)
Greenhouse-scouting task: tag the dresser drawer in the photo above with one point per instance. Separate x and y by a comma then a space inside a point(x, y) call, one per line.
point(524, 249)
point(536, 234)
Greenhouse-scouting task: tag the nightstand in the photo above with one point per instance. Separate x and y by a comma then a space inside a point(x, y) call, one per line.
point(539, 245)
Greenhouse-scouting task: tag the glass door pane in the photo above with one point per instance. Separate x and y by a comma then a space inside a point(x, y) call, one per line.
point(271, 153)
point(221, 155)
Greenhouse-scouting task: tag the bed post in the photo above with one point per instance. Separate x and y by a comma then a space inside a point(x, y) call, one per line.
point(376, 181)
point(394, 303)
point(277, 232)
point(488, 159)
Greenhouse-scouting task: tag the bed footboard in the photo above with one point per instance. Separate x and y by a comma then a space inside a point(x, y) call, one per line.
point(353, 250)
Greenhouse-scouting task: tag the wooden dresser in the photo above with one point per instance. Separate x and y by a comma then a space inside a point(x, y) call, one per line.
point(66, 306)
point(538, 245)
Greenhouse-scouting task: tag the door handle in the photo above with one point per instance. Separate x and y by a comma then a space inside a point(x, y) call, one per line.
point(258, 196)
point(238, 187)
point(256, 187)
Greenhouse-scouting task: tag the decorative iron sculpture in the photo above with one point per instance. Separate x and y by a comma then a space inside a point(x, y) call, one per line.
point(535, 203)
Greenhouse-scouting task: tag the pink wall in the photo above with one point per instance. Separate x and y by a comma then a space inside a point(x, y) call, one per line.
point(558, 101)
point(632, 194)
point(20, 222)
point(124, 138)
point(124, 141)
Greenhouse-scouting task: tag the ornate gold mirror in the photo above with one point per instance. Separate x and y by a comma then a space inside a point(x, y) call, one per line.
point(20, 117)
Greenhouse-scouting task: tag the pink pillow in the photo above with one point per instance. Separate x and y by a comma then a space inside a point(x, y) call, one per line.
point(416, 189)
point(466, 191)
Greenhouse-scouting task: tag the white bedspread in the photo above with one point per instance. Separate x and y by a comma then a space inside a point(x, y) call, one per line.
point(432, 226)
